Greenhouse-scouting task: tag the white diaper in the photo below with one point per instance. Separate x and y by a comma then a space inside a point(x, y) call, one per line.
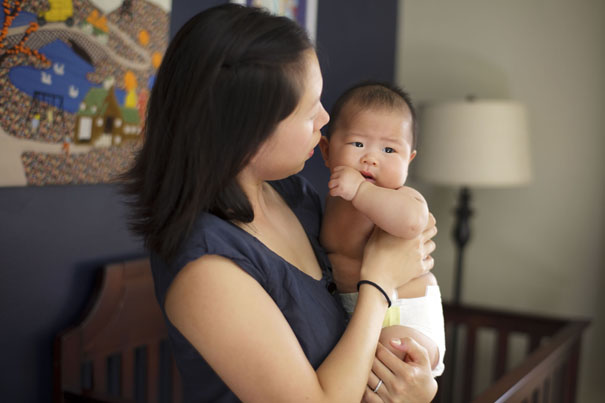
point(424, 314)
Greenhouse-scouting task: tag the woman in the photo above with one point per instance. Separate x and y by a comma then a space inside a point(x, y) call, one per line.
point(234, 114)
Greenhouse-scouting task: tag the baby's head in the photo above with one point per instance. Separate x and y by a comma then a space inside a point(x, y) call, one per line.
point(372, 130)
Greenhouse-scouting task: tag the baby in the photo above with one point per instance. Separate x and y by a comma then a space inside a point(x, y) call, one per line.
point(368, 147)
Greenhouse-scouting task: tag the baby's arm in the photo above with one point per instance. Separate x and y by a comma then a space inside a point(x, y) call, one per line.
point(401, 212)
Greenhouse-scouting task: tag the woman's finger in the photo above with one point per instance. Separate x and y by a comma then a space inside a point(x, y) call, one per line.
point(415, 353)
point(413, 381)
point(372, 380)
point(429, 247)
point(370, 397)
point(369, 394)
point(387, 364)
point(394, 374)
point(429, 232)
point(432, 220)
point(428, 263)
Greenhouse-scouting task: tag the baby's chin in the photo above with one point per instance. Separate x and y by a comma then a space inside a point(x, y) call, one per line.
point(378, 183)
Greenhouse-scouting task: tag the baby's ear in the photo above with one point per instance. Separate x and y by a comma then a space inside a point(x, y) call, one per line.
point(412, 156)
point(324, 146)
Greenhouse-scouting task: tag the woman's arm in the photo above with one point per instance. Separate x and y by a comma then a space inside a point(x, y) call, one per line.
point(238, 329)
point(236, 326)
point(408, 380)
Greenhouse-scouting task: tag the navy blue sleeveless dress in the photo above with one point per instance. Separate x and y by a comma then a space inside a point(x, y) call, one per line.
point(309, 306)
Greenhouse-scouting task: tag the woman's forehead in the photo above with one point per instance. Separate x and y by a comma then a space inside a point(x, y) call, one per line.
point(313, 80)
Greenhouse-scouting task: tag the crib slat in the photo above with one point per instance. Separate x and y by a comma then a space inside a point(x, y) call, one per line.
point(501, 354)
point(469, 361)
point(570, 369)
point(153, 371)
point(127, 374)
point(534, 342)
point(99, 373)
point(176, 382)
point(546, 390)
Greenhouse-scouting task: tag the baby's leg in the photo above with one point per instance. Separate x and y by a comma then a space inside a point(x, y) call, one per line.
point(413, 301)
point(417, 287)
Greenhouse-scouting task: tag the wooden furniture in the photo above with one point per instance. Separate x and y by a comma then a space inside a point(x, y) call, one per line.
point(118, 353)
point(547, 374)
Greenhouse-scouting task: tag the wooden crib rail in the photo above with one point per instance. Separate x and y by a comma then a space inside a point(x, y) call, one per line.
point(115, 354)
point(548, 372)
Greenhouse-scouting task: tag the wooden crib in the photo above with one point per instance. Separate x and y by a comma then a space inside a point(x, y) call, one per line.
point(548, 372)
point(118, 353)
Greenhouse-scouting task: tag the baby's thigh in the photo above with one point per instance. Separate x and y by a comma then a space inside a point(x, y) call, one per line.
point(416, 288)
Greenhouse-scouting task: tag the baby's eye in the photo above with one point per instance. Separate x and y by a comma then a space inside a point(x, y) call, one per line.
point(357, 144)
point(389, 150)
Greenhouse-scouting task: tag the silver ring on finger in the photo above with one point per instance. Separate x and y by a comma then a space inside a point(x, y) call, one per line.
point(378, 386)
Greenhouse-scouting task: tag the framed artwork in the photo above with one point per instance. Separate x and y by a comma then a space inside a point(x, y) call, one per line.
point(75, 76)
point(302, 11)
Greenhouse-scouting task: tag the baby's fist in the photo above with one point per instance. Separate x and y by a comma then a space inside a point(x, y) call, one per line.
point(344, 182)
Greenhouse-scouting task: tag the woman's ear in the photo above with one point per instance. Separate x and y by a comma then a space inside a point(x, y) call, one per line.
point(324, 146)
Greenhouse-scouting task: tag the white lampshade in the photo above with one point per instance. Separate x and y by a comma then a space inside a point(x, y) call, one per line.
point(481, 143)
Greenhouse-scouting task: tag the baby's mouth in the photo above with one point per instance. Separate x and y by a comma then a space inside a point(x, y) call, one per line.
point(368, 176)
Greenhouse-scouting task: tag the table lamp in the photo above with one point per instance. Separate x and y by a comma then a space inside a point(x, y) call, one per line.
point(472, 144)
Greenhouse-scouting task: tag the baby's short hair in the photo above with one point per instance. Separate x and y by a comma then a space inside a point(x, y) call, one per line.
point(373, 94)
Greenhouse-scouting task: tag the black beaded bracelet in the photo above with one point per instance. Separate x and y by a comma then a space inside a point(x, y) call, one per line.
point(378, 287)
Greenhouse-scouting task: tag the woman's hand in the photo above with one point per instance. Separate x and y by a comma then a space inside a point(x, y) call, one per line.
point(391, 261)
point(409, 380)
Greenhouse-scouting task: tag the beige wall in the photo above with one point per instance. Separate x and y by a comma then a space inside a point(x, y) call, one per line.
point(540, 248)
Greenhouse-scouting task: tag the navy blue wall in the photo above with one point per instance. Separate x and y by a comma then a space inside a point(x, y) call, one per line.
point(54, 239)
point(355, 42)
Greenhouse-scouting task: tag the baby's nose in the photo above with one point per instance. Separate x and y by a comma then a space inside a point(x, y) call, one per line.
point(369, 159)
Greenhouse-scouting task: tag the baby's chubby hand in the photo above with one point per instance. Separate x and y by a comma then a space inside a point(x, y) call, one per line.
point(344, 182)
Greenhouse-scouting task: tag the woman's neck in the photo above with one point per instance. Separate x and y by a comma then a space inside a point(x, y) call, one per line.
point(260, 194)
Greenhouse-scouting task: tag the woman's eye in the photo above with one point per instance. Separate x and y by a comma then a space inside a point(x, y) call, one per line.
point(389, 150)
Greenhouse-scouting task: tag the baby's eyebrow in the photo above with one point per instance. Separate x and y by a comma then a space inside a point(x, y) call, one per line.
point(393, 140)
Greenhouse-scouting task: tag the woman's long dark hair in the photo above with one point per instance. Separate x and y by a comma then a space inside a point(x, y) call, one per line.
point(228, 77)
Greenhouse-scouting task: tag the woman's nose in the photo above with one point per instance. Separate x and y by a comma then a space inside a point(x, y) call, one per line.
point(322, 118)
